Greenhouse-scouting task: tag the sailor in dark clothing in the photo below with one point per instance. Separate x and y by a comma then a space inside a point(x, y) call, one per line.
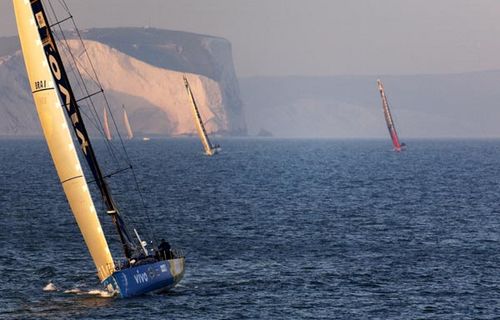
point(164, 250)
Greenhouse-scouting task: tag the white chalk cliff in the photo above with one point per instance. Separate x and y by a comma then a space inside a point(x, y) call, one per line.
point(141, 69)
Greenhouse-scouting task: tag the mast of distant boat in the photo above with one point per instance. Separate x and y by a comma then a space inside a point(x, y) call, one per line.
point(388, 118)
point(209, 149)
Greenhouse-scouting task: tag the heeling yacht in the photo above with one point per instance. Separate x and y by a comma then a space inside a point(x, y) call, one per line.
point(141, 270)
point(389, 121)
point(209, 148)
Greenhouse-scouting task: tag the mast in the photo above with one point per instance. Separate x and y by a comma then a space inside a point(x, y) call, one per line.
point(130, 135)
point(388, 118)
point(198, 122)
point(52, 93)
point(107, 132)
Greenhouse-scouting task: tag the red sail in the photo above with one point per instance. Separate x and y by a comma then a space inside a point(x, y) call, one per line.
point(388, 118)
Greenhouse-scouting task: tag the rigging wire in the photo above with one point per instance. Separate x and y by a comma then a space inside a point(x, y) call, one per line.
point(84, 89)
point(76, 66)
point(81, 83)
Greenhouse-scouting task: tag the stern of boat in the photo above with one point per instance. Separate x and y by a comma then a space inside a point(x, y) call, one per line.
point(177, 269)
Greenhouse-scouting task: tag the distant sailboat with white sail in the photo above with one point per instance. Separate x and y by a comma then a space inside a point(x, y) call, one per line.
point(126, 123)
point(142, 270)
point(200, 127)
point(105, 123)
point(389, 121)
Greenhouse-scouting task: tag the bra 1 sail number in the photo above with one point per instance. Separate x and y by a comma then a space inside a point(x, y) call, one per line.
point(40, 84)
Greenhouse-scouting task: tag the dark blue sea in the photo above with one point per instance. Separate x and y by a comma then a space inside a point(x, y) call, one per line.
point(272, 229)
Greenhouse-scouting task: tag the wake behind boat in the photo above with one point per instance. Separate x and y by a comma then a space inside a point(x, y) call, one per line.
point(389, 121)
point(209, 148)
point(142, 269)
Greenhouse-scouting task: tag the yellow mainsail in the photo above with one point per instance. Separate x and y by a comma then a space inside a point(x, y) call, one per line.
point(198, 121)
point(42, 74)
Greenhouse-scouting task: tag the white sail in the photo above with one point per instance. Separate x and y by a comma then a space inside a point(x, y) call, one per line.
point(107, 132)
point(43, 77)
point(130, 135)
point(207, 146)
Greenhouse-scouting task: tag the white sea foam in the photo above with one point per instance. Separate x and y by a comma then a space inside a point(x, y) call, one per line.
point(74, 291)
point(101, 293)
point(50, 287)
point(93, 292)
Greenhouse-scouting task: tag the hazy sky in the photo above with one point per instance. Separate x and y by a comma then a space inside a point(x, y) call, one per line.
point(318, 37)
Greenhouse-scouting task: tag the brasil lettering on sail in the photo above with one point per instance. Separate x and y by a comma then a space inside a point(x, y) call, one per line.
point(61, 79)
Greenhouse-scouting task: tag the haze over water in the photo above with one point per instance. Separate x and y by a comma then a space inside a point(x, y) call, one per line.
point(273, 228)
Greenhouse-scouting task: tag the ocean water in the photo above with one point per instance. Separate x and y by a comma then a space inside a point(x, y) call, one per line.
point(272, 229)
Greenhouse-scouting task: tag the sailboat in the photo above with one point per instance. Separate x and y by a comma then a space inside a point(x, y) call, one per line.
point(130, 135)
point(388, 119)
point(105, 123)
point(209, 148)
point(142, 270)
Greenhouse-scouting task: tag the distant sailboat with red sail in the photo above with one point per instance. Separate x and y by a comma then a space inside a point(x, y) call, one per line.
point(389, 121)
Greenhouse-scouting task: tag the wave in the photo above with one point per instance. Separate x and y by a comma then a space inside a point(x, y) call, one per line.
point(50, 287)
point(92, 292)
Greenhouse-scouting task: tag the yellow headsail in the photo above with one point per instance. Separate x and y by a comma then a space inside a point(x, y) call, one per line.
point(42, 76)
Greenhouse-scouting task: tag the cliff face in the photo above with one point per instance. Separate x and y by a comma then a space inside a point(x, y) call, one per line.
point(141, 69)
point(17, 112)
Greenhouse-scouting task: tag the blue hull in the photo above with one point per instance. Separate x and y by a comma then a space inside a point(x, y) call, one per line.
point(135, 281)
